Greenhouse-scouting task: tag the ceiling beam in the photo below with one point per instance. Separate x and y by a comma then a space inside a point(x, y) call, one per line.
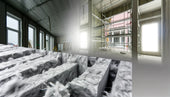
point(98, 3)
point(123, 8)
point(38, 5)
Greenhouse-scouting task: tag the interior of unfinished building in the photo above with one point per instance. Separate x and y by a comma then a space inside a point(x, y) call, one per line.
point(84, 48)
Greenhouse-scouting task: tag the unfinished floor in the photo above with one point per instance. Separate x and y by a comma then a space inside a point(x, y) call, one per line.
point(26, 72)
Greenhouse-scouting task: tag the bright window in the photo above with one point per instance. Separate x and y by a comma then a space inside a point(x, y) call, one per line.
point(47, 42)
point(12, 37)
point(83, 40)
point(41, 40)
point(12, 23)
point(51, 43)
point(150, 37)
point(13, 30)
point(31, 37)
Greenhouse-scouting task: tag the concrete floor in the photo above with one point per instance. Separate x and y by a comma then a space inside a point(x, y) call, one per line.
point(147, 59)
point(122, 55)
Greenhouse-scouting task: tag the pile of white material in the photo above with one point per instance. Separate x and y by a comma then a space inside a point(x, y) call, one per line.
point(82, 61)
point(57, 55)
point(122, 86)
point(12, 87)
point(65, 57)
point(57, 90)
point(7, 48)
point(12, 63)
point(29, 68)
point(63, 73)
point(43, 52)
point(16, 53)
point(91, 61)
point(88, 83)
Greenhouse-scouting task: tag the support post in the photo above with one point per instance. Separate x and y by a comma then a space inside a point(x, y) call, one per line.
point(166, 31)
point(3, 34)
point(90, 27)
point(134, 30)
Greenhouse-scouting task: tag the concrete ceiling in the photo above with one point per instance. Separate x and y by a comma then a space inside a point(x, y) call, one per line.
point(109, 7)
point(151, 6)
point(55, 12)
point(59, 12)
point(106, 5)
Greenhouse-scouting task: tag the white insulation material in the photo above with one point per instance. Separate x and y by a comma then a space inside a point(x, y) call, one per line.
point(11, 63)
point(7, 48)
point(88, 83)
point(122, 86)
point(63, 74)
point(16, 53)
point(27, 72)
point(29, 68)
point(82, 61)
point(30, 87)
point(57, 90)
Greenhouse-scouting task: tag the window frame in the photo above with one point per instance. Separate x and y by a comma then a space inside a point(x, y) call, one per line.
point(159, 37)
point(51, 42)
point(86, 42)
point(19, 31)
point(42, 37)
point(34, 35)
point(47, 35)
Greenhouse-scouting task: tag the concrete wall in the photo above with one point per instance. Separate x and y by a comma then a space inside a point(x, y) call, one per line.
point(4, 8)
point(3, 34)
point(97, 31)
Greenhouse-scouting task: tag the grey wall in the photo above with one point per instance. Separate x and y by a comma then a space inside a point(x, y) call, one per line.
point(4, 8)
point(151, 79)
point(3, 35)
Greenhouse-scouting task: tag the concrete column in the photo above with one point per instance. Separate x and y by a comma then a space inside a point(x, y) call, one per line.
point(135, 4)
point(24, 32)
point(90, 27)
point(38, 38)
point(151, 79)
point(44, 41)
point(166, 31)
point(3, 34)
point(166, 45)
